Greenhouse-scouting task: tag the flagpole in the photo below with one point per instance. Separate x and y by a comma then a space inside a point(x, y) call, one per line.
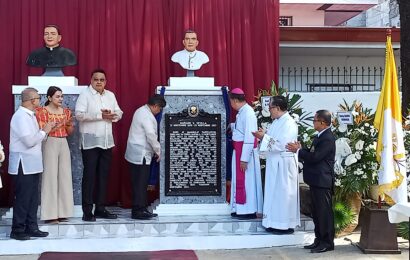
point(390, 151)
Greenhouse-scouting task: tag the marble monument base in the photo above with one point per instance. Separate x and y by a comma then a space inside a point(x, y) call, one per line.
point(192, 209)
point(162, 233)
point(183, 188)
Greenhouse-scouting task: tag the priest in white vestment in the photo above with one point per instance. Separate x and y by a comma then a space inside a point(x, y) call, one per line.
point(281, 212)
point(190, 58)
point(246, 184)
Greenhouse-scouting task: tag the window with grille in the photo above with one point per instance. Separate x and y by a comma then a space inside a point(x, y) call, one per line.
point(285, 20)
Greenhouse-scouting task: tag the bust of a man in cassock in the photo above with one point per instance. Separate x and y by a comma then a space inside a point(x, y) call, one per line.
point(190, 58)
point(52, 56)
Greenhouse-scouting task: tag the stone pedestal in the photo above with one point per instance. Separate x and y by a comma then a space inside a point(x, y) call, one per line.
point(38, 81)
point(70, 98)
point(378, 235)
point(208, 100)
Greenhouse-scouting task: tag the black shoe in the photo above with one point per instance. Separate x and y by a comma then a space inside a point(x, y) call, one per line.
point(269, 229)
point(153, 215)
point(19, 236)
point(321, 249)
point(141, 215)
point(37, 233)
point(282, 231)
point(105, 214)
point(246, 216)
point(313, 245)
point(88, 218)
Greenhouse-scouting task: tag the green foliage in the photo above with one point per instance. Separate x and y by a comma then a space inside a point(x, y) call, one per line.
point(403, 230)
point(343, 216)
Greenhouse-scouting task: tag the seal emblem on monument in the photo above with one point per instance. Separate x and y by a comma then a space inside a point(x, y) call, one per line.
point(193, 110)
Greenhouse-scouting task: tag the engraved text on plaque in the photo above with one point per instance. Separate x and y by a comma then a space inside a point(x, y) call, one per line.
point(193, 148)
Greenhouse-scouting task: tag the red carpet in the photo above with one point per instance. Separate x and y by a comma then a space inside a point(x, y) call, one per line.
point(146, 255)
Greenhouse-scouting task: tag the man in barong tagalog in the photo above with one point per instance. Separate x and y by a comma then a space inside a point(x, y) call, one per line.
point(52, 57)
point(281, 212)
point(190, 58)
point(142, 147)
point(96, 110)
point(246, 188)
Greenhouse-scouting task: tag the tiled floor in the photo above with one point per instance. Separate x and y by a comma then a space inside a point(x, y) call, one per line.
point(125, 227)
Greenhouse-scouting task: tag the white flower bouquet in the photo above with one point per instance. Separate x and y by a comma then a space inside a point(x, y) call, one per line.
point(356, 165)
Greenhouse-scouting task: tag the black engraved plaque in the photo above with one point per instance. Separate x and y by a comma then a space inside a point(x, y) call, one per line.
point(193, 161)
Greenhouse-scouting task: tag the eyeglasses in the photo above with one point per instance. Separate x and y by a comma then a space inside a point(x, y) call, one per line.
point(35, 98)
point(101, 80)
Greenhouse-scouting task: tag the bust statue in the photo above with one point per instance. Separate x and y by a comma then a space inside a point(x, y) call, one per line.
point(190, 58)
point(52, 57)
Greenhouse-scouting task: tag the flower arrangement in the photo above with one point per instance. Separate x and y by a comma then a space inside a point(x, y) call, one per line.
point(356, 165)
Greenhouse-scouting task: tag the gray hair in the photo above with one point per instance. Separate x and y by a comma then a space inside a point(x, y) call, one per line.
point(27, 94)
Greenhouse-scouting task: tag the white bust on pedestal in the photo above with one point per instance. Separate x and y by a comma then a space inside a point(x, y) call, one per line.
point(201, 93)
point(190, 58)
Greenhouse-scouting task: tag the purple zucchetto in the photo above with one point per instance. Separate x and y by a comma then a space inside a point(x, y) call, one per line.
point(237, 91)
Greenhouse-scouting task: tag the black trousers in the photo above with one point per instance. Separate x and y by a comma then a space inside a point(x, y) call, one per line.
point(322, 212)
point(97, 163)
point(139, 181)
point(25, 202)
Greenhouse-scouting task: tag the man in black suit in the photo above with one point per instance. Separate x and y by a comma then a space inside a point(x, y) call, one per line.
point(318, 173)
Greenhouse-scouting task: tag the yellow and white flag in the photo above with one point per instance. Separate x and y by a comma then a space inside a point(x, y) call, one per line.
point(390, 146)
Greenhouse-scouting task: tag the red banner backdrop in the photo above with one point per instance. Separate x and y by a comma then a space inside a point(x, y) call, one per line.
point(133, 41)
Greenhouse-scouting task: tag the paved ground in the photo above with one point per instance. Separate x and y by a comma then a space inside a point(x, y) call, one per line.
point(344, 249)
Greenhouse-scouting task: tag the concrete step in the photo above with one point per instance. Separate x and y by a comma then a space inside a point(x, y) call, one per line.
point(182, 232)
